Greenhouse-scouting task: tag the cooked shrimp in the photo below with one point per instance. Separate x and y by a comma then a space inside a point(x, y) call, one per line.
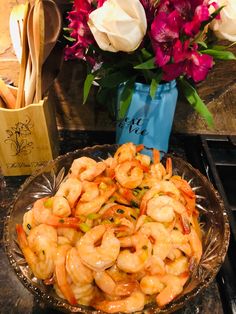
point(70, 234)
point(117, 274)
point(43, 214)
point(39, 249)
point(28, 221)
point(128, 194)
point(93, 206)
point(180, 241)
point(79, 273)
point(61, 275)
point(133, 262)
point(151, 284)
point(135, 302)
point(160, 237)
point(90, 191)
point(80, 165)
point(106, 283)
point(92, 172)
point(163, 208)
point(155, 265)
point(110, 163)
point(173, 287)
point(60, 206)
point(196, 244)
point(187, 192)
point(129, 174)
point(99, 257)
point(158, 170)
point(119, 211)
point(71, 190)
point(140, 221)
point(179, 266)
point(125, 152)
point(145, 160)
point(85, 168)
point(83, 293)
point(163, 187)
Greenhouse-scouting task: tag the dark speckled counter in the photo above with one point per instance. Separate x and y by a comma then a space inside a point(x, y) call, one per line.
point(15, 298)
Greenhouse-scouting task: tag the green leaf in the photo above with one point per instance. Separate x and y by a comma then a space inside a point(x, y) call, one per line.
point(67, 29)
point(69, 38)
point(219, 47)
point(202, 43)
point(154, 85)
point(146, 54)
point(195, 101)
point(114, 79)
point(147, 65)
point(87, 86)
point(126, 97)
point(219, 54)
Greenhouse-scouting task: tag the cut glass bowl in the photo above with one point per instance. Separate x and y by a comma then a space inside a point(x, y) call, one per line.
point(45, 182)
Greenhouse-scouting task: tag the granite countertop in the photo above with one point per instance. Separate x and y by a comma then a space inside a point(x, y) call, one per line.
point(15, 298)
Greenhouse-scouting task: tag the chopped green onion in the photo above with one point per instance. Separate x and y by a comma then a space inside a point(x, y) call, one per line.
point(133, 204)
point(93, 216)
point(84, 227)
point(102, 186)
point(135, 192)
point(132, 216)
point(48, 203)
point(120, 211)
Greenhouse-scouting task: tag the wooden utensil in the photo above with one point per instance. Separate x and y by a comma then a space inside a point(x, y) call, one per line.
point(52, 17)
point(52, 22)
point(24, 59)
point(16, 32)
point(38, 37)
point(16, 28)
point(7, 95)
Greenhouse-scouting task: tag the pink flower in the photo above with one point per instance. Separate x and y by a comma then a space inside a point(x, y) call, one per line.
point(80, 31)
point(201, 14)
point(164, 30)
point(188, 61)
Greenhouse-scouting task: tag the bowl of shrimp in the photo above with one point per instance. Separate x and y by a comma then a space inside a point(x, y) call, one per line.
point(109, 229)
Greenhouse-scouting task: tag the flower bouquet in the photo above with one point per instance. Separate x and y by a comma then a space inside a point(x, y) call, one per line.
point(150, 41)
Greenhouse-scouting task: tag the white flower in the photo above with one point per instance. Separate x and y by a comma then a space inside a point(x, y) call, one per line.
point(119, 25)
point(225, 27)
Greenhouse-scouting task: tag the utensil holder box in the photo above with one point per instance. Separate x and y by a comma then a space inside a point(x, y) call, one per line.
point(28, 138)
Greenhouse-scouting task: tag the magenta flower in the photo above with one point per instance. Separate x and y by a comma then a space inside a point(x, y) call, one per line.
point(187, 61)
point(81, 33)
point(201, 14)
point(164, 31)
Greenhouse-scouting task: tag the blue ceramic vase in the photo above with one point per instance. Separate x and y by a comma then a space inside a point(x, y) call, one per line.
point(148, 121)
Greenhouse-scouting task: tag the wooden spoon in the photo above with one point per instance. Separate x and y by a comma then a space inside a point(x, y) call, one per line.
point(52, 17)
point(24, 59)
point(52, 23)
point(38, 37)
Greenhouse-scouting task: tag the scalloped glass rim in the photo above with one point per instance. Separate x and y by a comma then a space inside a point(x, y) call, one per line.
point(213, 217)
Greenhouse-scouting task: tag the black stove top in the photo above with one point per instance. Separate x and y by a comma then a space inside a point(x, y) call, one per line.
point(214, 156)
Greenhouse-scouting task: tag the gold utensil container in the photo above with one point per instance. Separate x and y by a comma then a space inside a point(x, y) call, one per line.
point(28, 137)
